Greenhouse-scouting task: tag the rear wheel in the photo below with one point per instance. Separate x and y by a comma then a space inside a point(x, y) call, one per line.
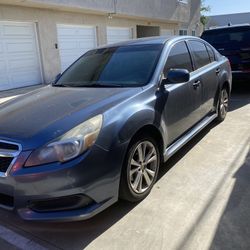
point(223, 104)
point(140, 169)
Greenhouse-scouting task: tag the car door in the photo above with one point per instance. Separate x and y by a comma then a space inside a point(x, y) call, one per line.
point(179, 112)
point(207, 70)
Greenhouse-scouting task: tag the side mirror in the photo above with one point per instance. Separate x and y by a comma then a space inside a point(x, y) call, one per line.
point(176, 76)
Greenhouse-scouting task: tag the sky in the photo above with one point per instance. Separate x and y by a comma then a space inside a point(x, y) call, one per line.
point(227, 6)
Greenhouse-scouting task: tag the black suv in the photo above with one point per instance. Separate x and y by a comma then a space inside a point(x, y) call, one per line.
point(233, 42)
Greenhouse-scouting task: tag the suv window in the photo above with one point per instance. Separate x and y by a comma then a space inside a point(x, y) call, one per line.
point(200, 53)
point(228, 37)
point(179, 58)
point(210, 53)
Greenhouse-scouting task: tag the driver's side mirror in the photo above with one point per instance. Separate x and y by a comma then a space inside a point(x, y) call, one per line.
point(176, 76)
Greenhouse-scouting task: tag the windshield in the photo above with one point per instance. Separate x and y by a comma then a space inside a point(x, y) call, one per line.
point(116, 66)
point(230, 37)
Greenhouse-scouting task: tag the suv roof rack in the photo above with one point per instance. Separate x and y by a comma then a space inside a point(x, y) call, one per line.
point(230, 25)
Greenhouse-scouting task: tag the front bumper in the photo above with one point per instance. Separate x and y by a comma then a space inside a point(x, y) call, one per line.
point(95, 174)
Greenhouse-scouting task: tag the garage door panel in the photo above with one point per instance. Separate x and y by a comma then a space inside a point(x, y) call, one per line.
point(86, 45)
point(20, 65)
point(20, 47)
point(74, 41)
point(24, 64)
point(64, 31)
point(17, 30)
point(25, 78)
point(2, 67)
point(115, 34)
point(68, 45)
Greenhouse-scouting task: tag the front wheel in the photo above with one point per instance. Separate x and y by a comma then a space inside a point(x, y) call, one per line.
point(140, 169)
point(223, 103)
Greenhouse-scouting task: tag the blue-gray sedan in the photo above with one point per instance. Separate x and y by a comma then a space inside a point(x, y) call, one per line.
point(101, 131)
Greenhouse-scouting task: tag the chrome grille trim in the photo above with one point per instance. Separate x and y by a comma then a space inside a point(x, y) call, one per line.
point(9, 153)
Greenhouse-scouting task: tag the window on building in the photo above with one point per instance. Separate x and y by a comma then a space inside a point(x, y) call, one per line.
point(183, 32)
point(179, 58)
point(200, 53)
point(193, 33)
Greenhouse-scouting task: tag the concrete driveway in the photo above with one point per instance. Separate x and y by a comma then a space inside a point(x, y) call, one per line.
point(201, 201)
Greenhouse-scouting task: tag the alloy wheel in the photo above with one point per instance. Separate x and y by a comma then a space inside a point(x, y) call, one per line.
point(224, 103)
point(143, 167)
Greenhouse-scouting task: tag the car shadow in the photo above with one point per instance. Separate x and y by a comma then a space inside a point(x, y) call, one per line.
point(233, 231)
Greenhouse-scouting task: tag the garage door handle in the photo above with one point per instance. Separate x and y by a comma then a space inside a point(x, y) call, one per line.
point(196, 84)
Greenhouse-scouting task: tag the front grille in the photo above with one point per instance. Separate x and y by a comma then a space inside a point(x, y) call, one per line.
point(5, 163)
point(8, 152)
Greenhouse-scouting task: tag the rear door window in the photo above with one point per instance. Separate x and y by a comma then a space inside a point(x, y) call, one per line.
point(179, 58)
point(200, 54)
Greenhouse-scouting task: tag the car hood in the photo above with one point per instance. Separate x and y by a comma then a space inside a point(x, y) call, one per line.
point(44, 114)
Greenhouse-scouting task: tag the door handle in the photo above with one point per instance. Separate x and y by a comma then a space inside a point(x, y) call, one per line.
point(217, 71)
point(196, 84)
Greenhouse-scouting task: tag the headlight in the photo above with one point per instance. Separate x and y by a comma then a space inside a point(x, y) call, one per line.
point(69, 145)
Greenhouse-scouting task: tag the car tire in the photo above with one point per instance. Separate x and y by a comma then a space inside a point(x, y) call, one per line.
point(222, 106)
point(140, 169)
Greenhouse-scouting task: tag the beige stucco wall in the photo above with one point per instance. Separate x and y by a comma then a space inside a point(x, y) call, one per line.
point(46, 21)
point(166, 10)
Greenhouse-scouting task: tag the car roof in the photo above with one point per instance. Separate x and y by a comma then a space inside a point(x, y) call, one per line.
point(149, 40)
point(143, 41)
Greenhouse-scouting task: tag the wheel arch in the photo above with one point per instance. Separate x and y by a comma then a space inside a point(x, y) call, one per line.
point(224, 84)
point(150, 130)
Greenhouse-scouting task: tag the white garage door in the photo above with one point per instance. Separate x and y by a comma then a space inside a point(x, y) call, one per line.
point(74, 41)
point(115, 34)
point(166, 32)
point(19, 57)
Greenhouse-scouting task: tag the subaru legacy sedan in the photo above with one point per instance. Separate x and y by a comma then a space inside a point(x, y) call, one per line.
point(102, 130)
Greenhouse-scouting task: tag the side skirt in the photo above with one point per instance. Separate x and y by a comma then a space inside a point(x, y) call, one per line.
point(173, 148)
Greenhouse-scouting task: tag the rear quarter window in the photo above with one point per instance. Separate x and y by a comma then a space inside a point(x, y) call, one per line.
point(211, 53)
